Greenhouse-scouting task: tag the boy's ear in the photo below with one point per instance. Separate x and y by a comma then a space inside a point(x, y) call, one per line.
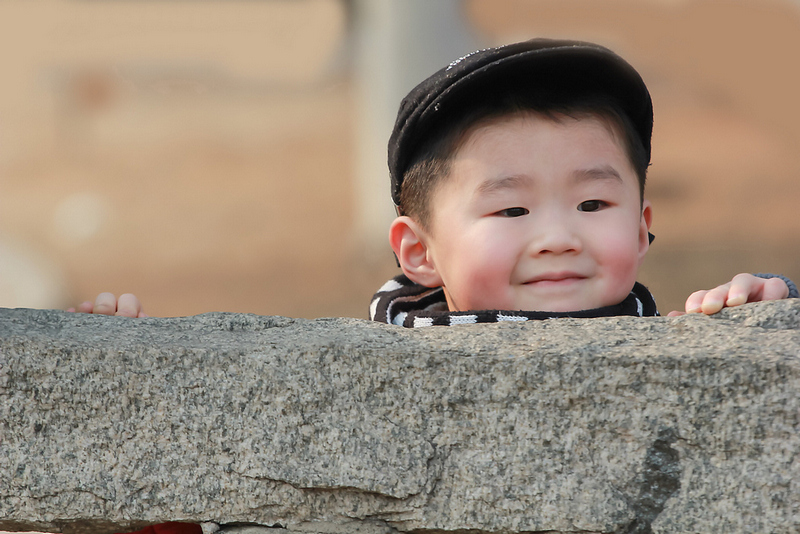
point(644, 229)
point(409, 243)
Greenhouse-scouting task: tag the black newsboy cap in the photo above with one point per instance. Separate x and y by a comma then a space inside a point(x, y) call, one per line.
point(554, 65)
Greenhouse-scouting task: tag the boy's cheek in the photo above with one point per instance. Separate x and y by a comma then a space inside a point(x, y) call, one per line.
point(481, 286)
point(621, 259)
point(626, 270)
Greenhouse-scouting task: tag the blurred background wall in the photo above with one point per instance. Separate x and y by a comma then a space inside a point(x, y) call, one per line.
point(230, 155)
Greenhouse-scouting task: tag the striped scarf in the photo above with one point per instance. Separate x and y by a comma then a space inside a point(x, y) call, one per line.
point(402, 302)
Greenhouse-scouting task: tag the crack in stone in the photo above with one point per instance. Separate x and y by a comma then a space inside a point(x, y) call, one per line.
point(325, 489)
point(660, 479)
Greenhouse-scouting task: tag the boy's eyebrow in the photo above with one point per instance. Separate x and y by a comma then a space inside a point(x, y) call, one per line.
point(602, 173)
point(605, 172)
point(503, 182)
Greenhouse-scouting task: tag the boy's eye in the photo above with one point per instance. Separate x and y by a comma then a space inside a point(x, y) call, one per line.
point(513, 212)
point(591, 205)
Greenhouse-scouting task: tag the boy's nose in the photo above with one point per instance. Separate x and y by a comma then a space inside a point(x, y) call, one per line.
point(555, 236)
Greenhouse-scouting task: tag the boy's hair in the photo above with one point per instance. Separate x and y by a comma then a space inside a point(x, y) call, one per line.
point(549, 77)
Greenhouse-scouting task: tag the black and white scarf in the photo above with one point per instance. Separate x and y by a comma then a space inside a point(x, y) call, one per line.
point(402, 302)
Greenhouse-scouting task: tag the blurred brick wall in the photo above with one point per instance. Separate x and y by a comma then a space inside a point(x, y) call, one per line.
point(200, 154)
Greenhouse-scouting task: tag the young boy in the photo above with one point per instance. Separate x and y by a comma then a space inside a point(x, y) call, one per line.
point(518, 174)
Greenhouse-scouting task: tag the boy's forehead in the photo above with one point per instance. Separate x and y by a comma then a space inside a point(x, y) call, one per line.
point(515, 137)
point(511, 121)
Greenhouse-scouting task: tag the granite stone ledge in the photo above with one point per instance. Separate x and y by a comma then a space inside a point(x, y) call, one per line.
point(336, 426)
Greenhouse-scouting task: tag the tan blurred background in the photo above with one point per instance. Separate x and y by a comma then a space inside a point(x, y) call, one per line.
point(224, 155)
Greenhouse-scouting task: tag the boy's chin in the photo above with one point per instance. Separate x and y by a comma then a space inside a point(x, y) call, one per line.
point(580, 295)
point(564, 305)
point(554, 299)
point(557, 307)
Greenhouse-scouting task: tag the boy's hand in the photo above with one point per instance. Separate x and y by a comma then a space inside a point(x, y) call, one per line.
point(107, 304)
point(742, 289)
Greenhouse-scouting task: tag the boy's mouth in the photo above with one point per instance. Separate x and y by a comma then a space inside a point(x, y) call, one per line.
point(558, 278)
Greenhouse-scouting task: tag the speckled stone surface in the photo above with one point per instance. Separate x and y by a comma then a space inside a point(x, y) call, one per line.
point(623, 425)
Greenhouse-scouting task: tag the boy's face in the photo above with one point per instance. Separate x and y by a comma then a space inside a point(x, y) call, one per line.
point(537, 215)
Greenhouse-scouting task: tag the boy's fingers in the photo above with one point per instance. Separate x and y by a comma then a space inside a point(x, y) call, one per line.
point(128, 306)
point(714, 299)
point(675, 313)
point(748, 288)
point(695, 301)
point(105, 304)
point(743, 288)
point(774, 289)
point(86, 307)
